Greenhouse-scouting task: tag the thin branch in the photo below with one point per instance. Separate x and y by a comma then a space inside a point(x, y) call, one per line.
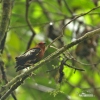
point(68, 8)
point(29, 24)
point(48, 59)
point(13, 88)
point(83, 63)
point(63, 28)
point(3, 43)
point(74, 67)
point(6, 13)
point(4, 77)
point(73, 59)
point(44, 9)
point(67, 64)
point(3, 72)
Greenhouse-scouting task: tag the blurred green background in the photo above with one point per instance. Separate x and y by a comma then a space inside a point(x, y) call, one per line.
point(47, 17)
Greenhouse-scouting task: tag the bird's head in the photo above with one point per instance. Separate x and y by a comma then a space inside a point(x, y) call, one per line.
point(42, 45)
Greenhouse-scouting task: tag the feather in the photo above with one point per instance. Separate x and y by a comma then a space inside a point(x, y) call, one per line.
point(26, 59)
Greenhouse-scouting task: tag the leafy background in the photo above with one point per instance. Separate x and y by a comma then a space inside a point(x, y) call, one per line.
point(47, 19)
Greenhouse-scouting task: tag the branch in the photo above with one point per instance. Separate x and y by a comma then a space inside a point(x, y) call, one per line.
point(4, 77)
point(68, 8)
point(64, 62)
point(47, 15)
point(47, 59)
point(12, 88)
point(5, 18)
point(74, 67)
point(2, 44)
point(29, 24)
point(5, 21)
point(76, 17)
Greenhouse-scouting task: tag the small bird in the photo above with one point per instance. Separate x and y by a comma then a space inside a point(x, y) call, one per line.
point(30, 57)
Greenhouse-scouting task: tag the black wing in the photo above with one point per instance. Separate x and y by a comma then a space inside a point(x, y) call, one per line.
point(26, 59)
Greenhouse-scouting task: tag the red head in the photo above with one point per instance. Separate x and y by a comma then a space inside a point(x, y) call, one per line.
point(42, 45)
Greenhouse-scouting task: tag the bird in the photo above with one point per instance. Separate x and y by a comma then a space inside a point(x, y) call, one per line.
point(30, 57)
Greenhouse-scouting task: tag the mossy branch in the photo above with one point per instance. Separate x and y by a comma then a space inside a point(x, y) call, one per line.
point(5, 17)
point(55, 54)
point(4, 24)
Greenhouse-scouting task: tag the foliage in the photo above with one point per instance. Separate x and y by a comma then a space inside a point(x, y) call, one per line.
point(47, 19)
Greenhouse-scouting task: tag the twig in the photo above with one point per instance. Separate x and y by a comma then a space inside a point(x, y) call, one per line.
point(64, 63)
point(74, 67)
point(44, 9)
point(13, 88)
point(83, 63)
point(68, 8)
point(4, 77)
point(76, 17)
point(72, 58)
point(3, 43)
point(29, 24)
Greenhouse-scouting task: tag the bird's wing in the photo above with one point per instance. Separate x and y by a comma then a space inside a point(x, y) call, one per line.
point(28, 57)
